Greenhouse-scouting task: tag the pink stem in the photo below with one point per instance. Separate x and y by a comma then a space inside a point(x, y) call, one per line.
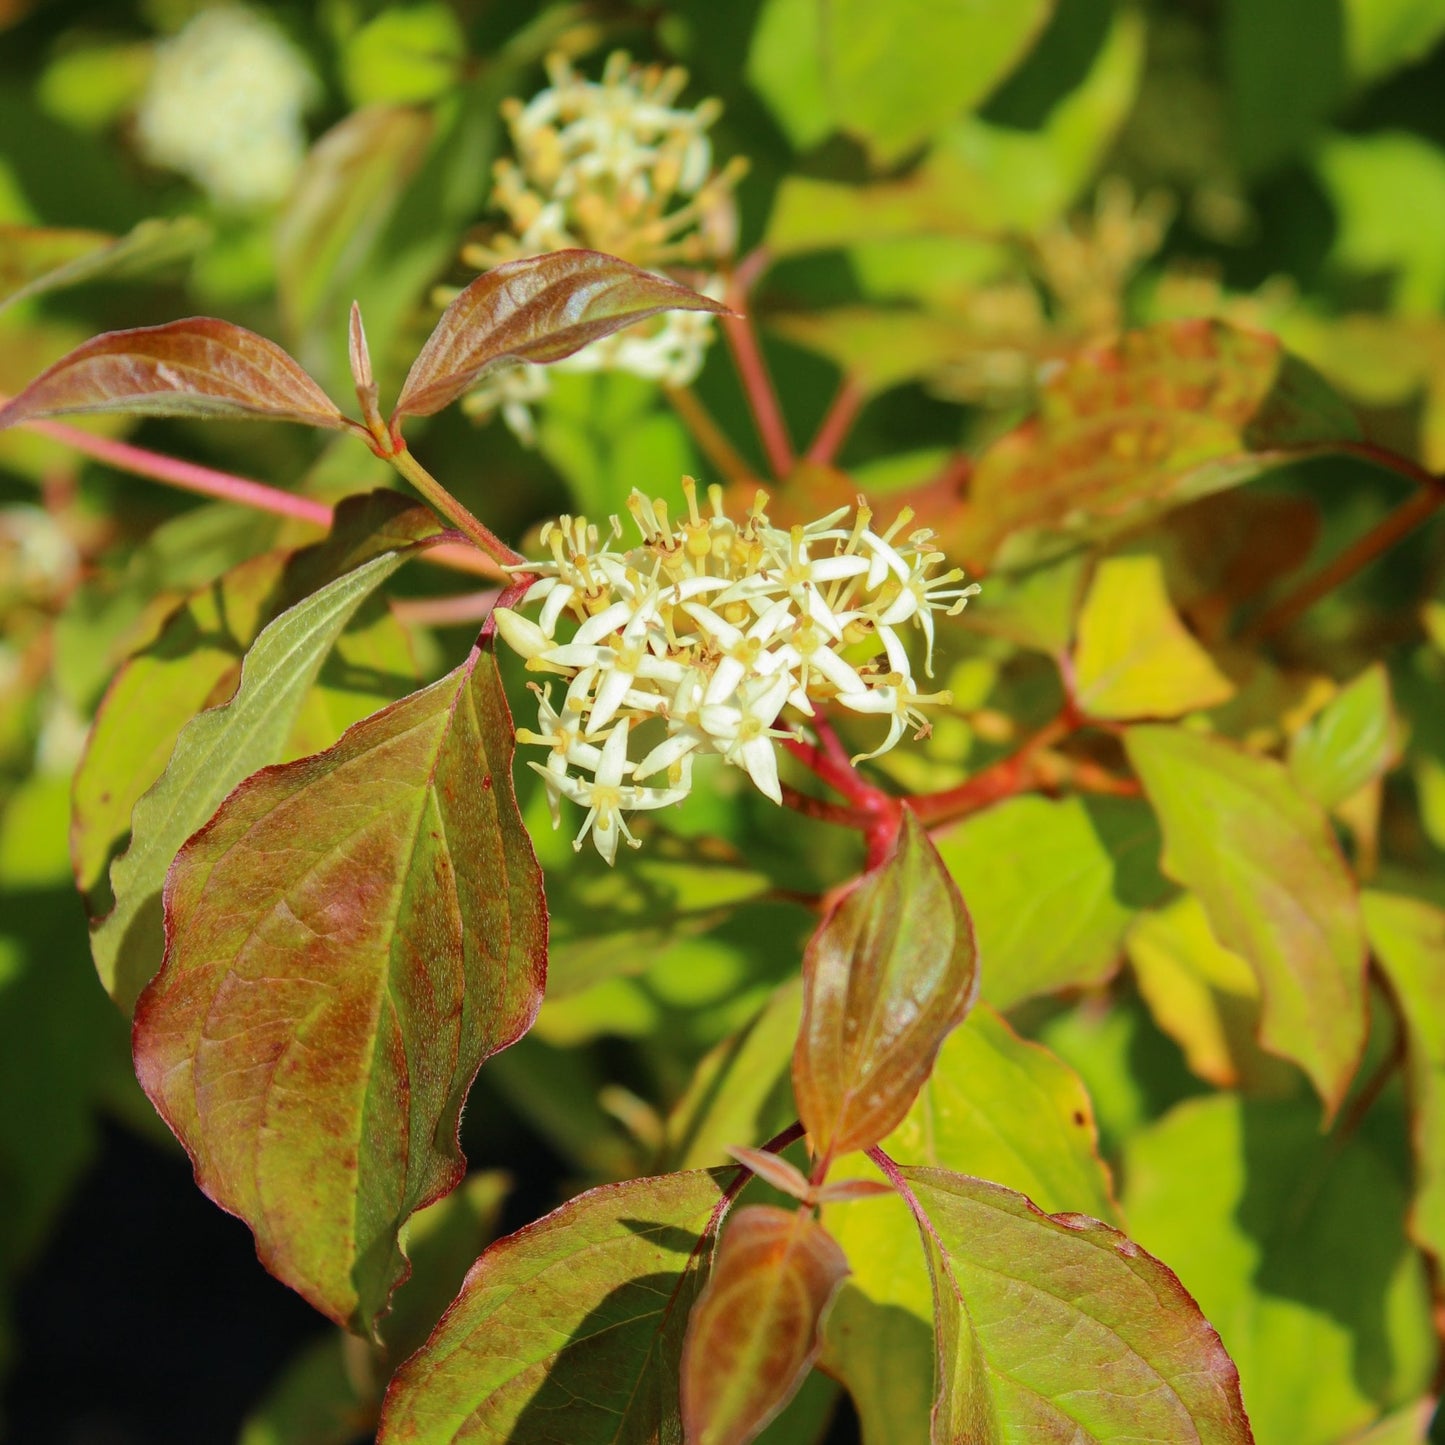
point(893, 1175)
point(834, 429)
point(207, 482)
point(186, 475)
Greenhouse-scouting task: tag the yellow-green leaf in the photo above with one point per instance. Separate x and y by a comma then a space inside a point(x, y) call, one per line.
point(1134, 658)
point(1408, 937)
point(1264, 862)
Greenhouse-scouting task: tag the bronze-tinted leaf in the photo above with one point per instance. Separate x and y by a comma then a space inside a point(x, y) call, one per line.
point(196, 367)
point(888, 974)
point(346, 941)
point(1134, 426)
point(569, 1330)
point(755, 1330)
point(538, 309)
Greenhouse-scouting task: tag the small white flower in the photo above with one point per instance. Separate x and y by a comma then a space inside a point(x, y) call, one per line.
point(710, 629)
point(612, 165)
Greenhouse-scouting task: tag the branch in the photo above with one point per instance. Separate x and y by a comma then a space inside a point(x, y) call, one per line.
point(1392, 529)
point(833, 430)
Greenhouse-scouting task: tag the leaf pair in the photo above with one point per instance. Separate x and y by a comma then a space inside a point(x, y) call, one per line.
point(537, 309)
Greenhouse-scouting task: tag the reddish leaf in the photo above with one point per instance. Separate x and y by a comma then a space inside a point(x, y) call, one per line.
point(755, 1330)
point(782, 1175)
point(197, 367)
point(569, 1330)
point(891, 971)
point(1134, 426)
point(346, 941)
point(1058, 1330)
point(538, 309)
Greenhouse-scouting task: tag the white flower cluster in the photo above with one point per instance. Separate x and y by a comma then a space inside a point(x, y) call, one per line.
point(224, 106)
point(613, 166)
point(700, 636)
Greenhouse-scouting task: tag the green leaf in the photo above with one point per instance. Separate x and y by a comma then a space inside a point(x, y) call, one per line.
point(34, 260)
point(344, 194)
point(1205, 997)
point(1054, 884)
point(1034, 608)
point(331, 987)
point(1134, 657)
point(980, 179)
point(1135, 426)
point(198, 367)
point(220, 747)
point(754, 1331)
point(1408, 938)
point(741, 1092)
point(193, 662)
point(896, 75)
point(1056, 1327)
point(1001, 1108)
point(891, 970)
point(1294, 1247)
point(62, 1046)
point(404, 55)
point(537, 309)
point(604, 430)
point(1351, 741)
point(878, 347)
point(785, 67)
point(892, 78)
point(570, 1329)
point(1388, 192)
point(1382, 35)
point(1264, 862)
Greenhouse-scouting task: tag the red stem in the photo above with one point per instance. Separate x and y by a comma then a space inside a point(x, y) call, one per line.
point(757, 385)
point(998, 781)
point(824, 811)
point(838, 423)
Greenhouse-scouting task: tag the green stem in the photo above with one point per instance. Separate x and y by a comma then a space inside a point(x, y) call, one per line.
point(470, 526)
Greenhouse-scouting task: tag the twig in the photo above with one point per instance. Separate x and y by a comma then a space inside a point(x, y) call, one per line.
point(453, 510)
point(227, 487)
point(753, 373)
point(824, 811)
point(1000, 780)
point(188, 476)
point(1355, 558)
point(833, 430)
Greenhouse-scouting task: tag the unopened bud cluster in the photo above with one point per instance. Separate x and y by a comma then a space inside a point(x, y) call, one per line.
point(613, 165)
point(694, 641)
